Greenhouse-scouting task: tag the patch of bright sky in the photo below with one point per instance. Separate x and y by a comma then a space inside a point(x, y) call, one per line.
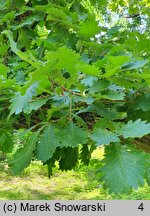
point(121, 21)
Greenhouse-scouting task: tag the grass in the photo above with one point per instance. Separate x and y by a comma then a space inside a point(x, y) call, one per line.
point(79, 184)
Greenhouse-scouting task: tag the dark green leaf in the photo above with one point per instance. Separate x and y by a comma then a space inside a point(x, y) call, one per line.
point(124, 168)
point(23, 156)
point(70, 158)
point(47, 144)
point(72, 136)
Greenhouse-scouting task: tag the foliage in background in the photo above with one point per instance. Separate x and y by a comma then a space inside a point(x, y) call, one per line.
point(74, 75)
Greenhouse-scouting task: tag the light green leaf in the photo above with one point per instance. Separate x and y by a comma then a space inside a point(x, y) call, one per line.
point(116, 61)
point(114, 95)
point(65, 58)
point(89, 80)
point(61, 101)
point(124, 168)
point(3, 70)
point(21, 103)
point(2, 4)
point(114, 65)
point(134, 129)
point(89, 69)
point(89, 28)
point(103, 136)
point(135, 65)
point(55, 13)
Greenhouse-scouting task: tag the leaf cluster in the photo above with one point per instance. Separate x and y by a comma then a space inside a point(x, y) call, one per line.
point(74, 75)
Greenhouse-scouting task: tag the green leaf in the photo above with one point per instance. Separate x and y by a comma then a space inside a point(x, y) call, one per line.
point(101, 110)
point(135, 65)
point(55, 13)
point(148, 173)
point(20, 77)
point(23, 156)
point(35, 105)
point(143, 102)
point(114, 65)
point(72, 136)
point(24, 56)
point(3, 70)
point(112, 95)
point(99, 85)
point(89, 69)
point(6, 142)
point(89, 28)
point(124, 168)
point(80, 69)
point(21, 103)
point(61, 101)
point(41, 75)
point(65, 58)
point(47, 145)
point(2, 4)
point(89, 81)
point(29, 20)
point(69, 158)
point(116, 61)
point(85, 154)
point(103, 136)
point(2, 140)
point(134, 129)
point(50, 165)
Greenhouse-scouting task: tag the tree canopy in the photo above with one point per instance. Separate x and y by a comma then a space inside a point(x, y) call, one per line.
point(75, 75)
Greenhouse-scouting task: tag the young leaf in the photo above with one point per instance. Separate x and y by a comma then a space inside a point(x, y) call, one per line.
point(89, 28)
point(66, 59)
point(124, 168)
point(89, 69)
point(4, 70)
